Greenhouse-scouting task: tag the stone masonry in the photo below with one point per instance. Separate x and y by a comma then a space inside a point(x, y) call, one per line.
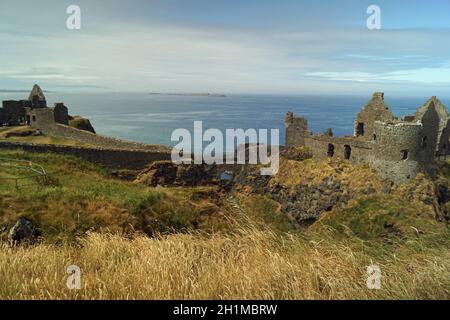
point(397, 149)
point(55, 122)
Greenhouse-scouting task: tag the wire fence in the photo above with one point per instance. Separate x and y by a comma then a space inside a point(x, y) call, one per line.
point(21, 173)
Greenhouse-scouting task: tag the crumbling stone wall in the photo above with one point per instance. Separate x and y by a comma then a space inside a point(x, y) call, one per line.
point(40, 118)
point(397, 150)
point(375, 110)
point(12, 112)
point(442, 146)
point(295, 130)
point(15, 112)
point(396, 155)
point(37, 97)
point(348, 148)
point(325, 145)
point(111, 158)
point(61, 113)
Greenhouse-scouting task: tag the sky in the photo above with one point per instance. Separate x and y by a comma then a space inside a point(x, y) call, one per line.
point(227, 46)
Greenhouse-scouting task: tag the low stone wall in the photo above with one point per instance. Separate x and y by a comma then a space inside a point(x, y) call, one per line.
point(111, 158)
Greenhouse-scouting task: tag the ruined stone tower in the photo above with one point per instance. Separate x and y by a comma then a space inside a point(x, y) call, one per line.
point(294, 126)
point(442, 146)
point(37, 97)
point(375, 110)
point(397, 149)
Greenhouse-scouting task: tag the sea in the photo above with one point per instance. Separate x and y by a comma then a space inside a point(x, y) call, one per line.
point(151, 118)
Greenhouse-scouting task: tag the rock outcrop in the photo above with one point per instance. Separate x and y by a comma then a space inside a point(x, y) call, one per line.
point(23, 232)
point(81, 124)
point(166, 173)
point(307, 189)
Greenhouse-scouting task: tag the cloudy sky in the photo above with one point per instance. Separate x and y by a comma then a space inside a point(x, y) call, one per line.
point(227, 46)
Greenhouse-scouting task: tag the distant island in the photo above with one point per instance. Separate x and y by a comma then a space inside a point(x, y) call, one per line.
point(17, 90)
point(191, 94)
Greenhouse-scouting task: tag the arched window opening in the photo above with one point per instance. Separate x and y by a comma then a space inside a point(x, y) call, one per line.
point(404, 154)
point(330, 151)
point(347, 152)
point(360, 129)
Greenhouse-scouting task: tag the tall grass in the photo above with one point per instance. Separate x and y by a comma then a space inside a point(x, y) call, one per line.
point(250, 264)
point(248, 253)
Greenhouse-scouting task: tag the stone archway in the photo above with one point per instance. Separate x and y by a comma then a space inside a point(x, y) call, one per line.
point(347, 152)
point(330, 152)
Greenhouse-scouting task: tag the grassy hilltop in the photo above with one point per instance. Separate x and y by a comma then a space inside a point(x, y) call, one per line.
point(132, 241)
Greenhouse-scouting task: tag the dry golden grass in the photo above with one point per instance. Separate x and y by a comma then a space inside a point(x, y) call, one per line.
point(252, 264)
point(357, 177)
point(256, 259)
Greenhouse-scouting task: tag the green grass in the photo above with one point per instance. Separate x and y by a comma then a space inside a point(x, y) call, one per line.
point(266, 212)
point(384, 226)
point(200, 248)
point(40, 139)
point(80, 197)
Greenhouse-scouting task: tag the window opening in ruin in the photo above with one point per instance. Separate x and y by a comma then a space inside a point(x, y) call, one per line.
point(34, 118)
point(424, 142)
point(374, 137)
point(404, 154)
point(360, 129)
point(347, 152)
point(330, 151)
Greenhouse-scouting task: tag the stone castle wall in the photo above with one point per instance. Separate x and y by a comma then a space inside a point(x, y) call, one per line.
point(397, 150)
point(111, 158)
point(325, 146)
point(397, 155)
point(348, 148)
point(12, 112)
point(293, 127)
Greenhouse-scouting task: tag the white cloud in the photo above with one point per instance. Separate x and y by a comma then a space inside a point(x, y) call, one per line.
point(167, 58)
point(437, 76)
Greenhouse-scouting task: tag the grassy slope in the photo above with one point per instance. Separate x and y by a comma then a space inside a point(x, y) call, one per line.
point(42, 139)
point(257, 255)
point(81, 196)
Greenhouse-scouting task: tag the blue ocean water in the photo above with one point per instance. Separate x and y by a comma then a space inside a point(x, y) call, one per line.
point(152, 118)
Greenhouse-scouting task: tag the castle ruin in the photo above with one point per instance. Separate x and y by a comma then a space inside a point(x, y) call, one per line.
point(55, 122)
point(398, 149)
point(33, 112)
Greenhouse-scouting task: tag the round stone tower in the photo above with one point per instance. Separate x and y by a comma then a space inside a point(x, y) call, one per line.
point(398, 150)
